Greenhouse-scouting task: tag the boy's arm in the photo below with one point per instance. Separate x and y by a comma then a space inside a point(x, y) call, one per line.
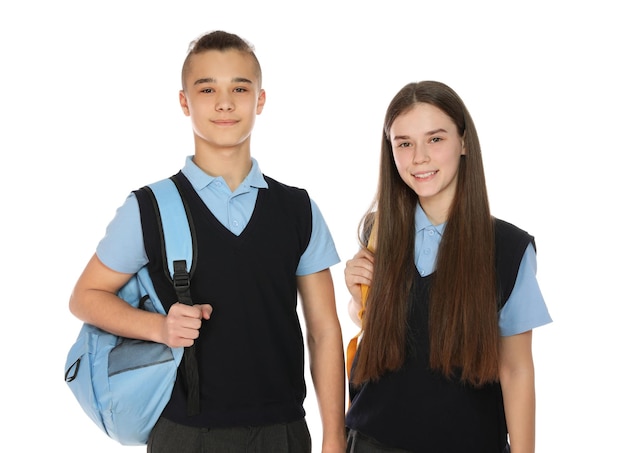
point(94, 301)
point(325, 344)
point(517, 378)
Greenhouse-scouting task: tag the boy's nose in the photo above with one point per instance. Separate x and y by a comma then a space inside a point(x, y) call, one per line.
point(224, 103)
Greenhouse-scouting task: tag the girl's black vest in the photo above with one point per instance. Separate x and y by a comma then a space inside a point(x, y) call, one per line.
point(251, 352)
point(417, 409)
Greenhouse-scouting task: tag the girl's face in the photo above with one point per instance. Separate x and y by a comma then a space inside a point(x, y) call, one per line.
point(427, 150)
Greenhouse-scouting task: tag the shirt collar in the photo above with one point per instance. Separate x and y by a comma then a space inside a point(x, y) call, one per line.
point(422, 222)
point(199, 179)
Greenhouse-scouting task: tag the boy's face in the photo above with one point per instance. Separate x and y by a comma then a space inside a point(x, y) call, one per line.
point(222, 96)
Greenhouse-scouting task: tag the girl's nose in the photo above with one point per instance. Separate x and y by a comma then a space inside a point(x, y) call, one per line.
point(420, 155)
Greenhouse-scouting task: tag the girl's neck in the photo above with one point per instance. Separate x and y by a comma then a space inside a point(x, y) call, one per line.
point(436, 212)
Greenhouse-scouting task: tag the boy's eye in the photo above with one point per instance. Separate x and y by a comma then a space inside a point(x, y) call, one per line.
point(240, 90)
point(207, 90)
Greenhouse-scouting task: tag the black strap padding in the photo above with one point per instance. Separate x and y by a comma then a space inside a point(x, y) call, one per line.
point(182, 286)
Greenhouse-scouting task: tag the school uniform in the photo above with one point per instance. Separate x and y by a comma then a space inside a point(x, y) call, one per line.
point(416, 409)
point(252, 244)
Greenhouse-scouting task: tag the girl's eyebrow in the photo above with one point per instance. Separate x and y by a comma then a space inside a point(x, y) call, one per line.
point(436, 131)
point(433, 132)
point(212, 80)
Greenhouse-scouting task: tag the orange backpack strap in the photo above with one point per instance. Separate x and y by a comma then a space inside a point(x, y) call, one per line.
point(352, 345)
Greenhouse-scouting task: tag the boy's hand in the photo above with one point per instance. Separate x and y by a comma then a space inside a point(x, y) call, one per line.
point(182, 324)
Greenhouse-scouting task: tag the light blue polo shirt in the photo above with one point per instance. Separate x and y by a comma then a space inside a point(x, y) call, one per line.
point(122, 247)
point(525, 308)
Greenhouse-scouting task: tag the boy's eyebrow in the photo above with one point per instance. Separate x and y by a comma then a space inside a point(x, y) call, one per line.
point(212, 80)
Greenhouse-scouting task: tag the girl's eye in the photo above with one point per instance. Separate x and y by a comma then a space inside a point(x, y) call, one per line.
point(435, 139)
point(403, 145)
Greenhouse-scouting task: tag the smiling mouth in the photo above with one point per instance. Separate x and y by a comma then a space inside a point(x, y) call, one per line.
point(424, 175)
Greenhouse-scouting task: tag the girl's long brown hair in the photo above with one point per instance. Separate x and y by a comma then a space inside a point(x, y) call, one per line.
point(463, 315)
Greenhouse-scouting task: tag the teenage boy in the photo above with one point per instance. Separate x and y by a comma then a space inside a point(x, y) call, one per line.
point(261, 243)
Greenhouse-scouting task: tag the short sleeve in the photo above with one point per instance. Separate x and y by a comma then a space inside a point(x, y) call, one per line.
point(525, 309)
point(122, 247)
point(321, 252)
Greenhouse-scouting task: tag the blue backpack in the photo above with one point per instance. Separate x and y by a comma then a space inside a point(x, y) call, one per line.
point(124, 384)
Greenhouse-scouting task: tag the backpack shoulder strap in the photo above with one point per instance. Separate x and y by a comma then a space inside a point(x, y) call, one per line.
point(179, 249)
point(175, 218)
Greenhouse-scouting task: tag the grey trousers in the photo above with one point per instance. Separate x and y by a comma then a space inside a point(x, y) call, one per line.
point(170, 437)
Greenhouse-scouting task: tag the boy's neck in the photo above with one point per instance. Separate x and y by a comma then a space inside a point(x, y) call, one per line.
point(233, 165)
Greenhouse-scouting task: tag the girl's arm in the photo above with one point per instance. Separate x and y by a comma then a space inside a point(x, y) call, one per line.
point(517, 378)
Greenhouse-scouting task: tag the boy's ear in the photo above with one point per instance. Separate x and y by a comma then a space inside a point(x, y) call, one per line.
point(183, 102)
point(260, 102)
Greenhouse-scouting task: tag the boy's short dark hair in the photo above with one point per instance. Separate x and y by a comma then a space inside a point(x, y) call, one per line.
point(221, 41)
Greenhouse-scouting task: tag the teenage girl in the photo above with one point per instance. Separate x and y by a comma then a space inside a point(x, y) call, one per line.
point(444, 363)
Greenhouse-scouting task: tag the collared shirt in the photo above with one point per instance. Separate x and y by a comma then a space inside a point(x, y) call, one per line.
point(122, 247)
point(525, 309)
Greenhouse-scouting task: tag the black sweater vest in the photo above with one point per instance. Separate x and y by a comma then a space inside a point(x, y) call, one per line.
point(417, 409)
point(251, 351)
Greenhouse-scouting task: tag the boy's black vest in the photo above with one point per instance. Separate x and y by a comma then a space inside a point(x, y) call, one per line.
point(417, 409)
point(251, 351)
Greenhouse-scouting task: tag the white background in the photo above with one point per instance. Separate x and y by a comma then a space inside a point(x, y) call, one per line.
point(89, 105)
